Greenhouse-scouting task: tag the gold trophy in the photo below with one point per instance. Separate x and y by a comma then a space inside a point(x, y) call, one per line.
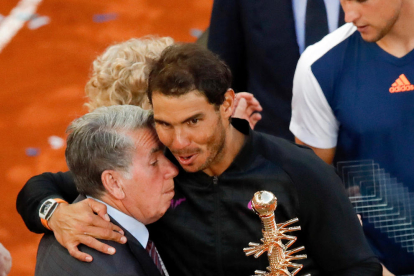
point(275, 240)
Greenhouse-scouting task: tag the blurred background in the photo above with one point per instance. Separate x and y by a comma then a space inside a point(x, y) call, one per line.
point(46, 53)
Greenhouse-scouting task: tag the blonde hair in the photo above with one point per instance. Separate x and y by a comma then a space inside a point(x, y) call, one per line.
point(120, 74)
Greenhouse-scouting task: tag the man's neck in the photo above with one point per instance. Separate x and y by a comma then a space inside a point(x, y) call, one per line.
point(126, 220)
point(233, 144)
point(400, 40)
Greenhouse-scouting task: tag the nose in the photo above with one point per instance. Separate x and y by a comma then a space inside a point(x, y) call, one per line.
point(180, 140)
point(171, 170)
point(351, 12)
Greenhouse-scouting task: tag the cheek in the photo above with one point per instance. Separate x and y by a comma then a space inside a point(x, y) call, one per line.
point(205, 136)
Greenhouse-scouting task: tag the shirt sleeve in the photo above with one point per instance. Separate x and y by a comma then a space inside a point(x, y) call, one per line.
point(40, 188)
point(313, 121)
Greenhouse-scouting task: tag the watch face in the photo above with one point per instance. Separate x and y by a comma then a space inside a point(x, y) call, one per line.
point(46, 210)
point(46, 207)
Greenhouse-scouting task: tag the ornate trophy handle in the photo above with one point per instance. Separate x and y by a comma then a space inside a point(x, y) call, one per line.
point(264, 203)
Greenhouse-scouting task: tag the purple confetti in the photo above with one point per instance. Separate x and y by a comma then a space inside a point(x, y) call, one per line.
point(100, 18)
point(32, 151)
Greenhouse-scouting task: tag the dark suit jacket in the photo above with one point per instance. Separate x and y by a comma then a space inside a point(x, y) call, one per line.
point(257, 39)
point(130, 259)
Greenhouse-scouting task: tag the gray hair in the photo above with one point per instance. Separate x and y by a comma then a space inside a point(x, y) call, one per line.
point(100, 141)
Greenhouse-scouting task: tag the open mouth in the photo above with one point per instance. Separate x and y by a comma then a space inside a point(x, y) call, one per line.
point(186, 159)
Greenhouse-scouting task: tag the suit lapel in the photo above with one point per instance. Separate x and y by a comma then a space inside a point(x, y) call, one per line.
point(140, 253)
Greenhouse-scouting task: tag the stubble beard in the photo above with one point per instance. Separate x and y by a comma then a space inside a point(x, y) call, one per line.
point(216, 149)
point(385, 30)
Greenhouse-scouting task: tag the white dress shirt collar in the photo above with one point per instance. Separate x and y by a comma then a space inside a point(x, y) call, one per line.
point(133, 226)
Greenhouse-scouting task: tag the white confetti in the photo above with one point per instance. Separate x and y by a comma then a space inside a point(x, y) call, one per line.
point(196, 32)
point(11, 24)
point(38, 22)
point(56, 142)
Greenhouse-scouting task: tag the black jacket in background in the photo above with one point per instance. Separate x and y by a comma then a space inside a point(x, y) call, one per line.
point(257, 39)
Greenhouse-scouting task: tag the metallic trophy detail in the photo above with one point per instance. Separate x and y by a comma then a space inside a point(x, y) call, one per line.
point(264, 204)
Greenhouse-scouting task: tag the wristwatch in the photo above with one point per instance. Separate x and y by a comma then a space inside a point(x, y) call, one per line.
point(47, 208)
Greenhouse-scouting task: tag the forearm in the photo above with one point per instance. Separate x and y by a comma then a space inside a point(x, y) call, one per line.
point(37, 190)
point(326, 155)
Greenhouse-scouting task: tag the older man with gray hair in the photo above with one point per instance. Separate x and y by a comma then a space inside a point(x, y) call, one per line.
point(116, 158)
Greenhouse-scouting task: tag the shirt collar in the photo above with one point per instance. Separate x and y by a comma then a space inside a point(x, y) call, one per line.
point(137, 229)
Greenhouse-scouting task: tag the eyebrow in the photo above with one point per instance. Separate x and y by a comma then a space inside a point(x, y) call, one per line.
point(195, 116)
point(156, 149)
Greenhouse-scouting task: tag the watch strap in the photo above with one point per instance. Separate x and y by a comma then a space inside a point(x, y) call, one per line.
point(44, 221)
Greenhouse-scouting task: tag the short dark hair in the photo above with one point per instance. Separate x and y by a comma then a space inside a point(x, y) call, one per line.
point(187, 67)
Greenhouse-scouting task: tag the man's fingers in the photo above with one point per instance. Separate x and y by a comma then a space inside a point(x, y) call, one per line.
point(251, 101)
point(255, 107)
point(245, 95)
point(97, 245)
point(247, 108)
point(251, 109)
point(254, 119)
point(98, 226)
point(109, 234)
point(254, 104)
point(74, 252)
point(98, 208)
point(240, 111)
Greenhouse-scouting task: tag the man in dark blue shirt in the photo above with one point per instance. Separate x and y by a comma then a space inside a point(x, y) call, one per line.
point(353, 100)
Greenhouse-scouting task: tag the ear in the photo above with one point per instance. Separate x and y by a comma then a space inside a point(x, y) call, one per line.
point(113, 183)
point(227, 107)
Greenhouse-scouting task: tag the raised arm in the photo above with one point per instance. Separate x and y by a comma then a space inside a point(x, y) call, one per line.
point(72, 224)
point(40, 188)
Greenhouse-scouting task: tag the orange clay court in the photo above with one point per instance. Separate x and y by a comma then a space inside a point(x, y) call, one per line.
point(43, 69)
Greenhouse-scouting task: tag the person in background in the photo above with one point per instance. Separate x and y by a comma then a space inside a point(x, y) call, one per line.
point(119, 75)
point(5, 261)
point(261, 41)
point(353, 100)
